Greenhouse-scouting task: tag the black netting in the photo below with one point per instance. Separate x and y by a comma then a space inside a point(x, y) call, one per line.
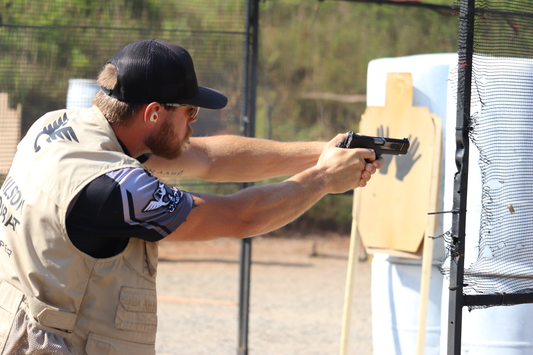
point(44, 44)
point(501, 123)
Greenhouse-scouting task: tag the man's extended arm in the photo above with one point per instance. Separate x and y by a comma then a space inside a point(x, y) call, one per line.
point(237, 159)
point(261, 209)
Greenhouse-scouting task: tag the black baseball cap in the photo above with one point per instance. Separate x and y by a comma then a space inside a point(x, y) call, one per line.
point(159, 71)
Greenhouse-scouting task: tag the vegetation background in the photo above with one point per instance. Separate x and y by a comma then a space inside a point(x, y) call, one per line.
point(313, 57)
point(313, 64)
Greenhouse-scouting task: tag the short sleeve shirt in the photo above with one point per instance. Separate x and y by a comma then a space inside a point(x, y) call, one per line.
point(122, 204)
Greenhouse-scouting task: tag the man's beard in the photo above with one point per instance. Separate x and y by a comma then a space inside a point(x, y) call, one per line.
point(165, 143)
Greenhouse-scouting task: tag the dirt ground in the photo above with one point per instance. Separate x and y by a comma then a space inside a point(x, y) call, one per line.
point(296, 305)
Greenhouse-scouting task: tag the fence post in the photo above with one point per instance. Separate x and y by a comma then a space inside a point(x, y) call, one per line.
point(250, 53)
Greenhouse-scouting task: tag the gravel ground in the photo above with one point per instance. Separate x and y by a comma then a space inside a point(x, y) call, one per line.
point(297, 295)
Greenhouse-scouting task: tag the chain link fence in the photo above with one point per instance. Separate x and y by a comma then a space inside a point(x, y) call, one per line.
point(52, 51)
point(311, 74)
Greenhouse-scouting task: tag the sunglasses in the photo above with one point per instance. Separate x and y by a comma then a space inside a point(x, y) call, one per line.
point(193, 112)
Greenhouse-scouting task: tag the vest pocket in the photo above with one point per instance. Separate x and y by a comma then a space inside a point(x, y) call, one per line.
point(137, 311)
point(98, 344)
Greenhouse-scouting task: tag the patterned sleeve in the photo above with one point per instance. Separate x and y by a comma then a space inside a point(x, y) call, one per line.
point(122, 204)
point(149, 203)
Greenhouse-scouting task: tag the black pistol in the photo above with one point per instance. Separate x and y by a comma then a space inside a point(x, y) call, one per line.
point(380, 145)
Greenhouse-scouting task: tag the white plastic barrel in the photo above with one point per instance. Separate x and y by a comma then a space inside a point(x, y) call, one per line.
point(498, 331)
point(395, 306)
point(396, 281)
point(80, 93)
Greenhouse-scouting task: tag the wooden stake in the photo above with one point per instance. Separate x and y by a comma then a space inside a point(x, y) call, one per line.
point(348, 295)
point(427, 254)
point(425, 281)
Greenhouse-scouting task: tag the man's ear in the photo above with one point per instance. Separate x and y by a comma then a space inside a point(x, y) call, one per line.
point(151, 113)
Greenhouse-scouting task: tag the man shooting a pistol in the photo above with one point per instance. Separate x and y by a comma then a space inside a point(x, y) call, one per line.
point(80, 273)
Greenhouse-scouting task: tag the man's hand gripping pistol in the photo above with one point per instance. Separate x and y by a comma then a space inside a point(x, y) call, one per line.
point(380, 145)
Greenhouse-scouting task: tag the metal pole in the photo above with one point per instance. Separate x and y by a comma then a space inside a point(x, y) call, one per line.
point(457, 300)
point(254, 24)
point(244, 295)
point(247, 130)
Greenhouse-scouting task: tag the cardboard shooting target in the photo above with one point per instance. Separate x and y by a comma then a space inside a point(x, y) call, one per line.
point(392, 210)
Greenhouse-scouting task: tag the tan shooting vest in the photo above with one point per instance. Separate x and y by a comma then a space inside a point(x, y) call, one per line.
point(102, 306)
